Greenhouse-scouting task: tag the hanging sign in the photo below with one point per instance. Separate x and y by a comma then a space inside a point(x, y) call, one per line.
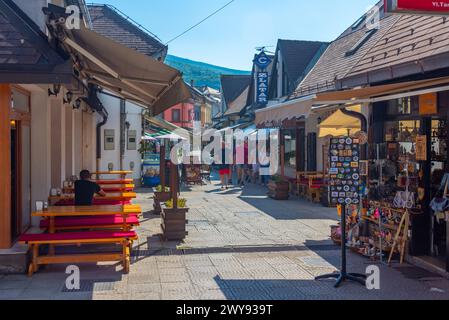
point(421, 148)
point(344, 171)
point(429, 7)
point(428, 104)
point(262, 88)
point(262, 60)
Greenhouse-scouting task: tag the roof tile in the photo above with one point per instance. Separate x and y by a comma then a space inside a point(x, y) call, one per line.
point(109, 23)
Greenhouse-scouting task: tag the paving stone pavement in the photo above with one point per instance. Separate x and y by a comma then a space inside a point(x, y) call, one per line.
point(241, 245)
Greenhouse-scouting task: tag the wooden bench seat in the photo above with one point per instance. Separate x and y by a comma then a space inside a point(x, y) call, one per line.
point(109, 182)
point(78, 238)
point(99, 222)
point(96, 202)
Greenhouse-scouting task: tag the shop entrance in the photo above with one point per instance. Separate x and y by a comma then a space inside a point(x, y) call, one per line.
point(410, 154)
point(20, 133)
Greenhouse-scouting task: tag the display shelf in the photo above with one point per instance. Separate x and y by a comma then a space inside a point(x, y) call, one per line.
point(386, 226)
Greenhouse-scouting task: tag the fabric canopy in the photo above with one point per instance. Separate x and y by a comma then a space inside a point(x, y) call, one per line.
point(285, 111)
point(339, 124)
point(166, 127)
point(171, 136)
point(130, 74)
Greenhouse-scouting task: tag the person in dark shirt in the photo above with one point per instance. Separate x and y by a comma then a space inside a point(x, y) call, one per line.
point(85, 189)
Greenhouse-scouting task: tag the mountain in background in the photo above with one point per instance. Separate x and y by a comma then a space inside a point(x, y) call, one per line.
point(202, 74)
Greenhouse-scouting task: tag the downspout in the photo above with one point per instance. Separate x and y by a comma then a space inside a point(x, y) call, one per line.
point(105, 116)
point(122, 132)
point(364, 127)
point(94, 102)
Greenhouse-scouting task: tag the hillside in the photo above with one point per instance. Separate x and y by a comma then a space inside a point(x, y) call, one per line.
point(202, 73)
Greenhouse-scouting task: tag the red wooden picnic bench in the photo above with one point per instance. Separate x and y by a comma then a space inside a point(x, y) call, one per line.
point(90, 223)
point(310, 184)
point(125, 239)
point(96, 202)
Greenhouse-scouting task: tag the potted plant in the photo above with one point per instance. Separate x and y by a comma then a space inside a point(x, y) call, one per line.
point(174, 220)
point(279, 188)
point(160, 196)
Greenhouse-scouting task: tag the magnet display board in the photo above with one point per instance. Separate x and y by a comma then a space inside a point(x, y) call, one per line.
point(344, 171)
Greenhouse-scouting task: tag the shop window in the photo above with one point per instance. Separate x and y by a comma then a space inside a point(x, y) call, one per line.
point(20, 101)
point(301, 147)
point(439, 145)
point(402, 106)
point(176, 115)
point(290, 148)
point(311, 152)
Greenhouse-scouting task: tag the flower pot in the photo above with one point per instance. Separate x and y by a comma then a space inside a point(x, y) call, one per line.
point(279, 190)
point(174, 223)
point(160, 197)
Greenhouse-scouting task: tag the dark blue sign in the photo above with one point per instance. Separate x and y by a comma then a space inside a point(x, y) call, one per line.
point(262, 88)
point(262, 60)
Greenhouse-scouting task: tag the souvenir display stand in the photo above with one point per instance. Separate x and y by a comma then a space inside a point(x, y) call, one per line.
point(344, 187)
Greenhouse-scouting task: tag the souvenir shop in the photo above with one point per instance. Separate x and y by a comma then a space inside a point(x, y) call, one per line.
point(405, 205)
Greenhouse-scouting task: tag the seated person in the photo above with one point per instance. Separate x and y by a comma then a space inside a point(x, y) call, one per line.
point(85, 189)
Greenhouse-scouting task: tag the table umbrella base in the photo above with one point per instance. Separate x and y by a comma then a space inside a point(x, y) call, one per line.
point(342, 277)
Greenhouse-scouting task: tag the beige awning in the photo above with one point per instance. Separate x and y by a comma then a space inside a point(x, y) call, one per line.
point(285, 111)
point(302, 107)
point(161, 123)
point(126, 72)
point(339, 124)
point(358, 95)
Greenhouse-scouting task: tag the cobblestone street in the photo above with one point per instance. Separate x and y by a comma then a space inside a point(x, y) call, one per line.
point(241, 245)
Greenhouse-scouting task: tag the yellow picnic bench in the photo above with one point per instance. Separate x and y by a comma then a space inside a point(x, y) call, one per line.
point(80, 218)
point(108, 188)
point(58, 218)
point(110, 198)
point(122, 173)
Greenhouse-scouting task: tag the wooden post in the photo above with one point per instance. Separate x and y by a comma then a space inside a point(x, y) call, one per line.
point(174, 185)
point(5, 167)
point(162, 168)
point(283, 161)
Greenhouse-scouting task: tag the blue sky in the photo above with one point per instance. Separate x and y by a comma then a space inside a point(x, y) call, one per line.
point(229, 39)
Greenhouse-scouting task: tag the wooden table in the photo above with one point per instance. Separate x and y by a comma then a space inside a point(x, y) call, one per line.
point(122, 197)
point(86, 211)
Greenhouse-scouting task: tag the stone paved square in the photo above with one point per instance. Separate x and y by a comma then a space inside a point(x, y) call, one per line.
point(241, 245)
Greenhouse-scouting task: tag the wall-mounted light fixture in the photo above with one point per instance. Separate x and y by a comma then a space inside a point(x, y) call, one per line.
point(55, 91)
point(68, 97)
point(77, 104)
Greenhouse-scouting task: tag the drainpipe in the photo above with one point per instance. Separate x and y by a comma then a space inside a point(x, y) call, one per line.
point(94, 102)
point(364, 127)
point(122, 132)
point(105, 116)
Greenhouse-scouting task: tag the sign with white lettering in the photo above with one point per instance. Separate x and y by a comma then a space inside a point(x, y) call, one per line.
point(262, 60)
point(423, 7)
point(262, 88)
